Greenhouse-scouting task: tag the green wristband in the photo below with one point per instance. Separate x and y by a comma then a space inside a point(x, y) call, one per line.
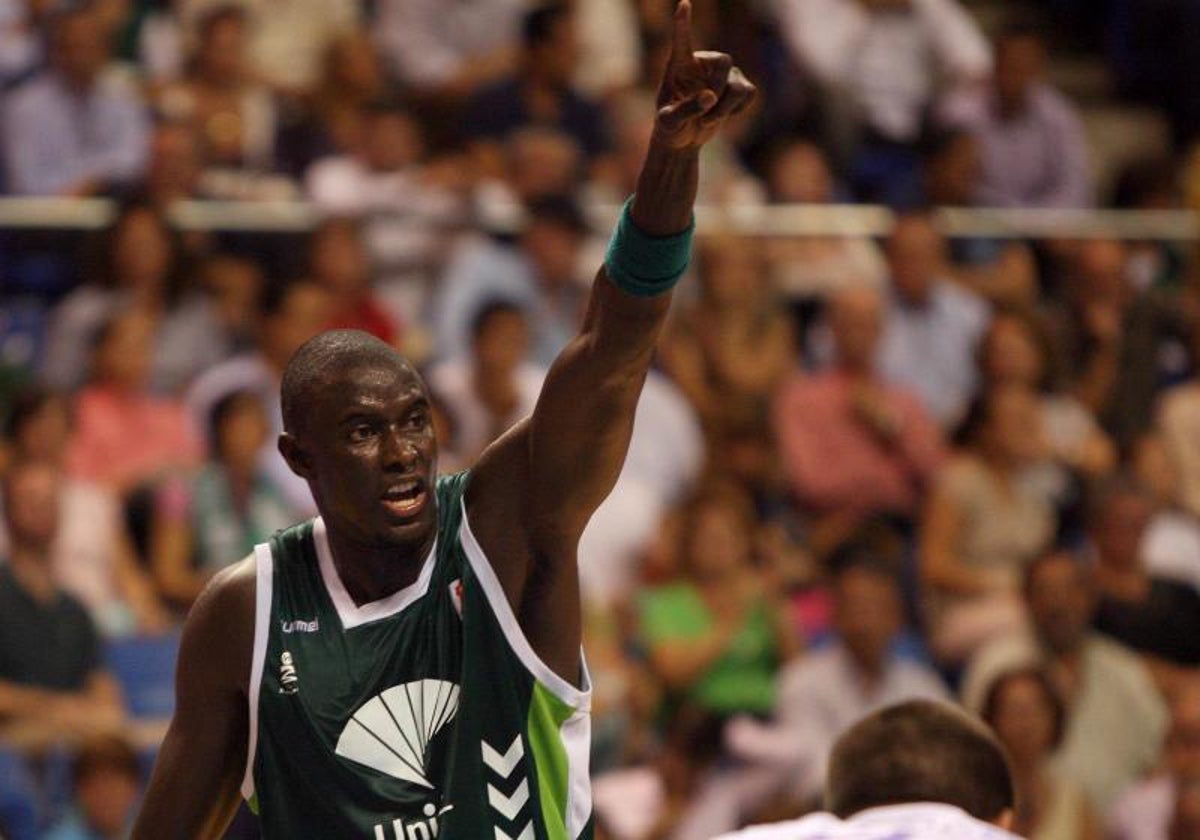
point(646, 265)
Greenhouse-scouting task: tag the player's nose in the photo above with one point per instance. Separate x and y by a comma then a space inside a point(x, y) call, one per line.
point(399, 451)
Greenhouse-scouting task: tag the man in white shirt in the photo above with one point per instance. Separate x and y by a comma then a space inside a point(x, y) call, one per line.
point(916, 771)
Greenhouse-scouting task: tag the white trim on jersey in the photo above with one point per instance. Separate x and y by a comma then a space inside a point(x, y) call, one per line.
point(352, 615)
point(264, 567)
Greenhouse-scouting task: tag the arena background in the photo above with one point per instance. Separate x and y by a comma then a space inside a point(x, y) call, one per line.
point(925, 421)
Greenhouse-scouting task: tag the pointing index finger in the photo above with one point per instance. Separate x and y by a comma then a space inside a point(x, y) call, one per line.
point(681, 37)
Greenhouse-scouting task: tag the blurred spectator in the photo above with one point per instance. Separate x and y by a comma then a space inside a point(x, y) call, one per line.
point(286, 40)
point(1030, 719)
point(1117, 717)
point(540, 274)
point(125, 436)
point(1155, 616)
point(1179, 426)
point(76, 128)
point(985, 520)
point(852, 445)
point(494, 388)
point(813, 266)
point(1033, 148)
point(173, 173)
point(52, 685)
point(451, 48)
point(540, 92)
point(217, 515)
point(1014, 352)
point(107, 780)
point(1164, 806)
point(729, 351)
point(715, 637)
point(1171, 545)
point(539, 162)
point(92, 557)
point(20, 40)
point(291, 314)
point(233, 115)
point(880, 65)
point(1110, 340)
point(1153, 184)
point(829, 690)
point(932, 325)
point(338, 263)
point(609, 44)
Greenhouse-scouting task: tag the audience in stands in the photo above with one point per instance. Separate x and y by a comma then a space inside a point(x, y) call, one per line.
point(338, 263)
point(1171, 544)
point(1117, 717)
point(1030, 718)
point(107, 779)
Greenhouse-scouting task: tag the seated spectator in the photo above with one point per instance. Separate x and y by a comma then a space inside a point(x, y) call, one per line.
point(814, 266)
point(1157, 617)
point(540, 273)
point(76, 128)
point(140, 263)
point(338, 263)
point(290, 315)
point(1179, 428)
point(287, 41)
point(107, 780)
point(1117, 717)
point(52, 685)
point(540, 92)
point(538, 162)
point(932, 325)
point(1028, 716)
point(986, 519)
point(92, 556)
point(497, 386)
point(216, 516)
point(233, 115)
point(729, 351)
point(716, 637)
point(1153, 184)
point(880, 66)
point(174, 166)
point(126, 437)
point(851, 445)
point(449, 50)
point(827, 691)
point(1171, 545)
point(1164, 806)
point(21, 46)
point(1033, 147)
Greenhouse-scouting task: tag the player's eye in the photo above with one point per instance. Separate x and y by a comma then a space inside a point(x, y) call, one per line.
point(362, 432)
point(417, 420)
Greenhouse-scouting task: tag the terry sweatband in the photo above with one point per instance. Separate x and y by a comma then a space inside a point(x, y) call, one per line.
point(646, 265)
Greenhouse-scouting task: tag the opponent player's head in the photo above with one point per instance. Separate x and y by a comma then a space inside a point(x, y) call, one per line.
point(359, 428)
point(920, 752)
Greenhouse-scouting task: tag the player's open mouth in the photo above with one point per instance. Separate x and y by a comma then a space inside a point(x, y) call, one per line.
point(405, 499)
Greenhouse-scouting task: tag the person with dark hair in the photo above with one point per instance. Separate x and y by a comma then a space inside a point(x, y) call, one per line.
point(541, 91)
point(107, 779)
point(985, 519)
point(920, 770)
point(338, 261)
point(410, 660)
point(1117, 715)
point(1029, 717)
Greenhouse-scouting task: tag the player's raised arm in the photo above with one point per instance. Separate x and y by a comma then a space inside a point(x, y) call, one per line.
point(534, 491)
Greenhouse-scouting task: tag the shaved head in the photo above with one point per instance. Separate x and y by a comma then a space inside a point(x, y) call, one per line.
point(324, 359)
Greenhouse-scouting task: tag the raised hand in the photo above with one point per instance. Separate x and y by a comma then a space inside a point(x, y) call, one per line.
point(699, 91)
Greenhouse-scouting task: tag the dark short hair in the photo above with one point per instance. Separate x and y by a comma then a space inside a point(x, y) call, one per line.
point(106, 753)
point(1052, 555)
point(490, 309)
point(225, 408)
point(538, 26)
point(27, 404)
point(560, 210)
point(919, 751)
point(1058, 709)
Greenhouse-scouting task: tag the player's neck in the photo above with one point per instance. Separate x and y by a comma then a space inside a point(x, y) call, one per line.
point(370, 573)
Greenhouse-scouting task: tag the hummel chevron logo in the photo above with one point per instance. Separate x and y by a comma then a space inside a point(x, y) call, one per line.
point(527, 834)
point(509, 806)
point(503, 765)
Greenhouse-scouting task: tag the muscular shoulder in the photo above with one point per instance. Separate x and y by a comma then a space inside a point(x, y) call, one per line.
point(219, 634)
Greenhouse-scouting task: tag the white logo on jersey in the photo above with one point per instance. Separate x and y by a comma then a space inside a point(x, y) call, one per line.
point(289, 679)
point(300, 626)
point(391, 731)
point(426, 829)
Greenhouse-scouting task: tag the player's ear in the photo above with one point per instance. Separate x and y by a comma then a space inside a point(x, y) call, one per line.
point(296, 456)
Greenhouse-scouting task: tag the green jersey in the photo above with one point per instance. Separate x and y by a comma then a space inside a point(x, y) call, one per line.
point(424, 715)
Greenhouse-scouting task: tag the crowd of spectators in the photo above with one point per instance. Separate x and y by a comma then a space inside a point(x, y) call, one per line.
point(862, 470)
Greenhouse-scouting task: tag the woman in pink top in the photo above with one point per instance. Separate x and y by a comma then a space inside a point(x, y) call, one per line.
point(125, 436)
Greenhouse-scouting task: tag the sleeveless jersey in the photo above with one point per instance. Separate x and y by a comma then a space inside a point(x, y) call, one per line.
point(424, 715)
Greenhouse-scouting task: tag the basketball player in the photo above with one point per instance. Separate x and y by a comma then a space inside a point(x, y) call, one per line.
point(917, 771)
point(407, 665)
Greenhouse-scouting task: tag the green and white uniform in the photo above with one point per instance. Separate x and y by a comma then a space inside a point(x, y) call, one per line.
point(424, 715)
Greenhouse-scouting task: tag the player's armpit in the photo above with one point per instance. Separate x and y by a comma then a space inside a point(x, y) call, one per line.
point(194, 790)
